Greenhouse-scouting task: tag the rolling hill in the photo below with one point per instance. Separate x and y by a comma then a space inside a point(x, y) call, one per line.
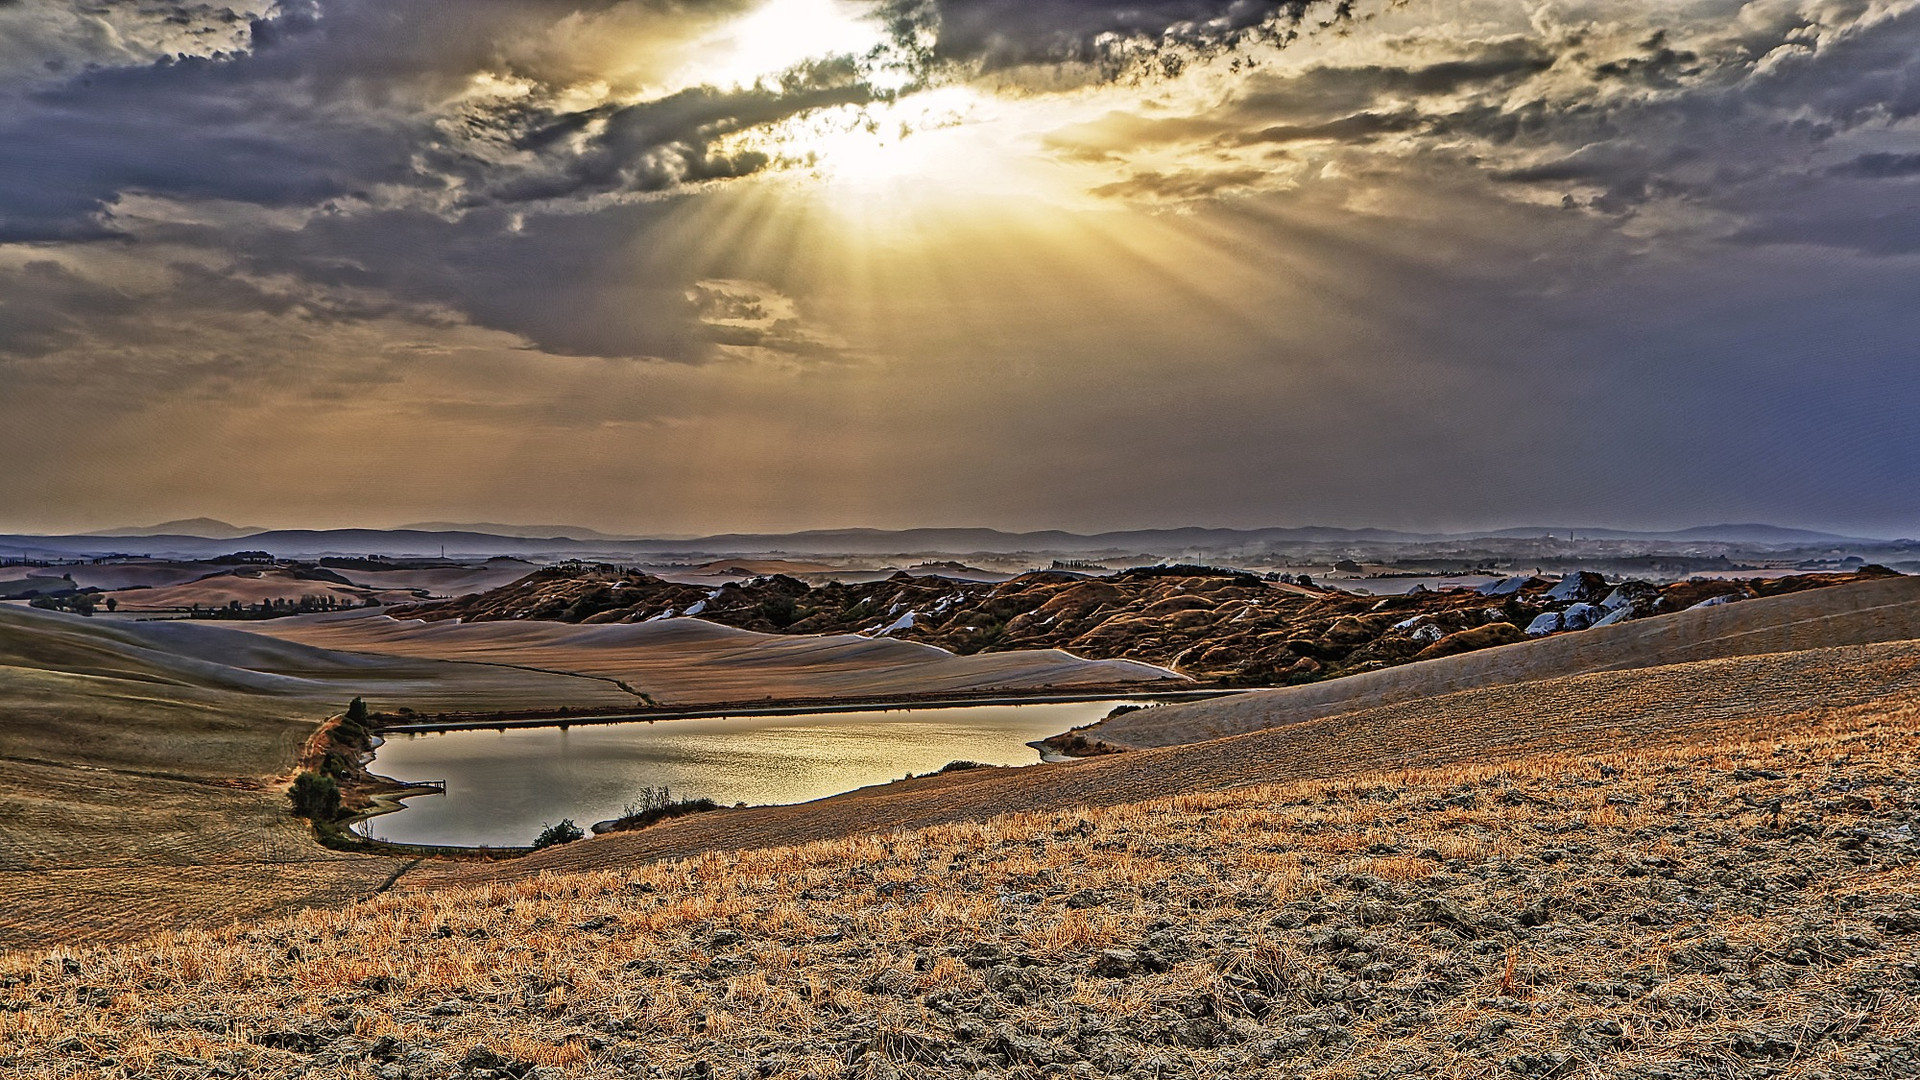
point(142, 761)
point(142, 765)
point(1862, 613)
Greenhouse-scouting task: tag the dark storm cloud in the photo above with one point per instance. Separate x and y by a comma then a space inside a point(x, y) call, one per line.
point(360, 101)
point(332, 101)
point(1358, 127)
point(566, 282)
point(69, 156)
point(191, 331)
point(1728, 121)
point(996, 34)
point(322, 100)
point(1751, 120)
point(43, 40)
point(651, 147)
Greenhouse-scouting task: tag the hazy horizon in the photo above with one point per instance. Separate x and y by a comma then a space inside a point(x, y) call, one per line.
point(1560, 529)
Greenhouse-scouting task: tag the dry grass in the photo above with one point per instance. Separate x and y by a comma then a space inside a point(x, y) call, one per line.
point(1740, 905)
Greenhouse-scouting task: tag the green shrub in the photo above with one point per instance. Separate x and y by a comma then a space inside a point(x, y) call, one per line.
point(315, 796)
point(566, 832)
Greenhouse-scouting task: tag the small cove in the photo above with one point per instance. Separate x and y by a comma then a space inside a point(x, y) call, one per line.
point(504, 786)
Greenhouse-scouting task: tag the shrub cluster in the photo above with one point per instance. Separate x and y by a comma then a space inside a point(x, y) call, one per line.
point(565, 832)
point(315, 796)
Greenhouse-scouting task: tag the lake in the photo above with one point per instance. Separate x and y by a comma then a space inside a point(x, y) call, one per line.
point(503, 787)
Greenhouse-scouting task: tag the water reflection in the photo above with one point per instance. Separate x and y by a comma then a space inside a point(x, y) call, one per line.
point(504, 786)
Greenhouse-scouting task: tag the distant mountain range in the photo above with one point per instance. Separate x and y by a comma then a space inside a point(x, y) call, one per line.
point(211, 528)
point(203, 537)
point(1713, 534)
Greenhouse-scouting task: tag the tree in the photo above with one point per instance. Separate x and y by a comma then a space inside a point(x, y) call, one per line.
point(355, 727)
point(112, 604)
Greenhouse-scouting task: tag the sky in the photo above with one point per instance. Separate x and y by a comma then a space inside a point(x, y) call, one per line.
point(686, 266)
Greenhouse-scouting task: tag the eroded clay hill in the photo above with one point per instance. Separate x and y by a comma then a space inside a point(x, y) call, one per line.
point(1221, 626)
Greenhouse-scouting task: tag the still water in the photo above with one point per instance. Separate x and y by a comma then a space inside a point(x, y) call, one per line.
point(503, 787)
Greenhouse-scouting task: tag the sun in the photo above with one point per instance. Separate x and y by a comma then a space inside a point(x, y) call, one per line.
point(922, 153)
point(778, 36)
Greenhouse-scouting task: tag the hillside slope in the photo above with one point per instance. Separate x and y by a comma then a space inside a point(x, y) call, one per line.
point(1862, 613)
point(140, 766)
point(139, 762)
point(1223, 626)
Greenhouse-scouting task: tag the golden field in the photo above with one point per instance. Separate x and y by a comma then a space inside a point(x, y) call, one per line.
point(1740, 905)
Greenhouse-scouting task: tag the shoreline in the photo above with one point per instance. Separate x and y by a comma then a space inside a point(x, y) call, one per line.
point(386, 795)
point(798, 707)
point(392, 800)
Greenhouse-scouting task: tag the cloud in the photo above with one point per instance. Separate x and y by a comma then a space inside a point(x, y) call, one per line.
point(45, 306)
point(752, 320)
point(1695, 123)
point(1111, 37)
point(1186, 186)
point(50, 40)
point(127, 333)
point(1879, 166)
point(444, 107)
point(513, 153)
